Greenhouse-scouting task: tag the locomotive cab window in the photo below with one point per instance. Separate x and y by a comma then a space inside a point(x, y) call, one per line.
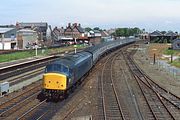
point(57, 68)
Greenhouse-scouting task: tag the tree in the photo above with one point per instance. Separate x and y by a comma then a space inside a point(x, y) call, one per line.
point(126, 32)
point(87, 29)
point(163, 32)
point(97, 28)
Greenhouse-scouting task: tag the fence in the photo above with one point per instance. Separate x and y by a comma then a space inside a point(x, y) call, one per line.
point(162, 65)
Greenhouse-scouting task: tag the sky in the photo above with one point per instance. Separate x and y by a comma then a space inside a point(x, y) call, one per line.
point(149, 14)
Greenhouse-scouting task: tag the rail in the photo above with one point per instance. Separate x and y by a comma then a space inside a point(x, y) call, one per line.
point(147, 87)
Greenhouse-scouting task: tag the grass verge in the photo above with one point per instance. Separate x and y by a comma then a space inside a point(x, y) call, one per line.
point(31, 53)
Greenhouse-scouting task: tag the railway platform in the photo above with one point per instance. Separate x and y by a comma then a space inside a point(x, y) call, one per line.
point(25, 83)
point(16, 62)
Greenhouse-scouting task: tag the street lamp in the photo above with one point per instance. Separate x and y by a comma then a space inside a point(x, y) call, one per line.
point(75, 46)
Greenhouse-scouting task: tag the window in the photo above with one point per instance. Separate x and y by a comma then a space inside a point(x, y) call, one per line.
point(53, 68)
point(57, 68)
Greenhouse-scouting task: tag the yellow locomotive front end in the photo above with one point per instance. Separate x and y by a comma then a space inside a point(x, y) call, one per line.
point(54, 81)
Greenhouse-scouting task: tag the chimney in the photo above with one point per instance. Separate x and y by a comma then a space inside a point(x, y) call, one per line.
point(75, 24)
point(79, 25)
point(17, 25)
point(69, 24)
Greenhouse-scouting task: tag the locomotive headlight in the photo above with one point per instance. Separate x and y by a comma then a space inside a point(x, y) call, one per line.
point(70, 80)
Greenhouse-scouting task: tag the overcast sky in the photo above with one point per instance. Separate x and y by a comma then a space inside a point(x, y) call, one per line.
point(148, 14)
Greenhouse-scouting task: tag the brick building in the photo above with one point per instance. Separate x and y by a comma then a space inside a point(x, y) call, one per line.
point(26, 39)
point(75, 31)
point(39, 27)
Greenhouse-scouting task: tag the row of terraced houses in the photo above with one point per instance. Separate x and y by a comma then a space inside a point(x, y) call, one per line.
point(27, 35)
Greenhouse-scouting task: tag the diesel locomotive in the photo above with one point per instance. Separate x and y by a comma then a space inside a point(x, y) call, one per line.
point(63, 75)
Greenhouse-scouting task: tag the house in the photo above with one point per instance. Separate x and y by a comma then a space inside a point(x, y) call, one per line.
point(97, 33)
point(104, 34)
point(57, 33)
point(94, 36)
point(26, 39)
point(7, 38)
point(91, 33)
point(75, 31)
point(144, 36)
point(176, 44)
point(39, 27)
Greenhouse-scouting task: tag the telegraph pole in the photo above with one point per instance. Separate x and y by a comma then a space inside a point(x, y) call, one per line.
point(154, 59)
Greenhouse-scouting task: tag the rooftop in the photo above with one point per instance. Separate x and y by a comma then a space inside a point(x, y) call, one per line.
point(4, 30)
point(39, 24)
point(26, 30)
point(156, 33)
point(170, 33)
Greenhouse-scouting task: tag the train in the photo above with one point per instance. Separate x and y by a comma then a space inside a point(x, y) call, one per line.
point(64, 74)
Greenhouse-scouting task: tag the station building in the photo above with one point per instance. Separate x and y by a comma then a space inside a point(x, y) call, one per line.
point(7, 38)
point(39, 27)
point(159, 37)
point(26, 39)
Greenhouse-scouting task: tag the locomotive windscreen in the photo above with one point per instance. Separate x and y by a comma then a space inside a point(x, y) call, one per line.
point(57, 68)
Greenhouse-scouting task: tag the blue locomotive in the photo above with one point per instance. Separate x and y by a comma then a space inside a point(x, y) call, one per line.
point(64, 73)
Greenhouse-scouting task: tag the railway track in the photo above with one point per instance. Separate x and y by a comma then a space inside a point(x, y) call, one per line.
point(24, 76)
point(111, 106)
point(163, 104)
point(15, 70)
point(45, 111)
point(29, 112)
point(17, 102)
point(79, 101)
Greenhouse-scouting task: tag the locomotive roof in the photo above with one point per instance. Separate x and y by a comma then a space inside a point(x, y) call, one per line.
point(72, 59)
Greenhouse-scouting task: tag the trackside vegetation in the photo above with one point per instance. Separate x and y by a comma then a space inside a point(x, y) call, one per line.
point(31, 53)
point(175, 53)
point(126, 32)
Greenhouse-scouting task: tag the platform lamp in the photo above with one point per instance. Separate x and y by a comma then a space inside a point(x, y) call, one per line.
point(75, 46)
point(36, 46)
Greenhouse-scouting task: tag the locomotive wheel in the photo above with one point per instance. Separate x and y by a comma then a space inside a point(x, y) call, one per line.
point(66, 94)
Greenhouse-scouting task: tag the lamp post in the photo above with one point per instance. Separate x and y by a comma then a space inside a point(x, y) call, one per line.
point(75, 46)
point(36, 46)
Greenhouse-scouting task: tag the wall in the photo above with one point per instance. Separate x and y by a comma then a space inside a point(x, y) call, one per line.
point(7, 46)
